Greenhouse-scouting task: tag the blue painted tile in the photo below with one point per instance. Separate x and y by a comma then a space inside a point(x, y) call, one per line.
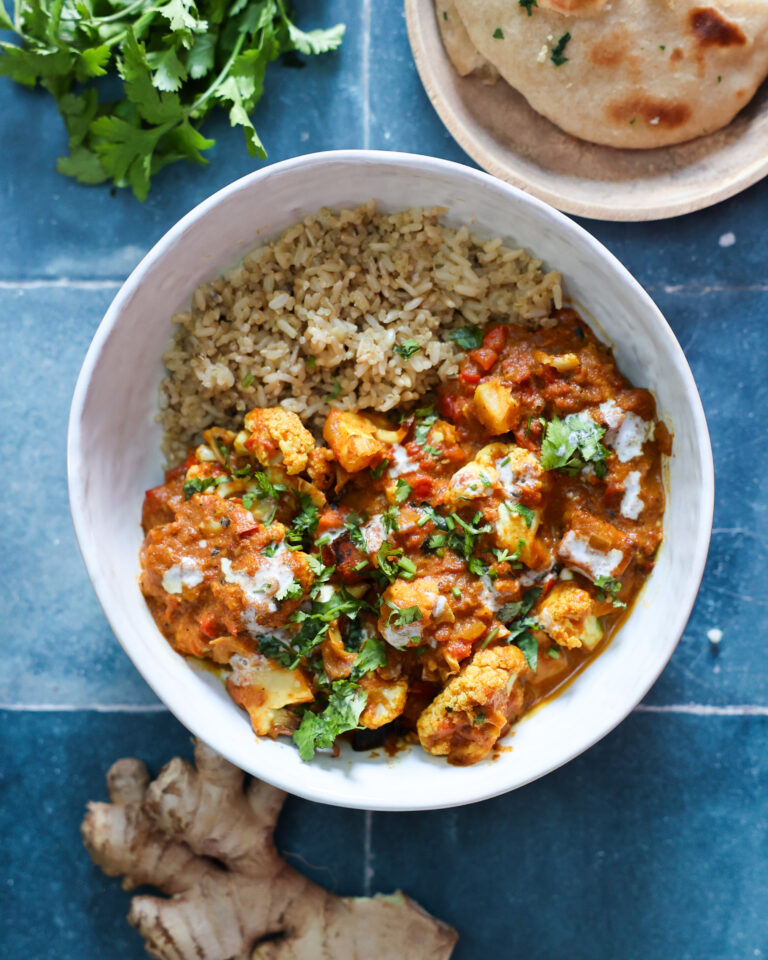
point(401, 116)
point(664, 856)
point(55, 904)
point(651, 846)
point(724, 337)
point(687, 250)
point(51, 226)
point(57, 646)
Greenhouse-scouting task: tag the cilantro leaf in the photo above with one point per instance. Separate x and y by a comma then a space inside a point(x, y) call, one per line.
point(525, 512)
point(402, 490)
point(372, 655)
point(557, 51)
point(425, 420)
point(406, 349)
point(529, 647)
point(198, 485)
point(305, 522)
point(570, 444)
point(318, 731)
point(174, 61)
point(291, 591)
point(468, 338)
point(353, 524)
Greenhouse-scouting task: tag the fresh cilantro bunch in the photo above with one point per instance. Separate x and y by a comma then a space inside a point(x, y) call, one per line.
point(177, 60)
point(572, 443)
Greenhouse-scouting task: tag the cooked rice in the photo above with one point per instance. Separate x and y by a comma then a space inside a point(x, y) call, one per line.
point(343, 288)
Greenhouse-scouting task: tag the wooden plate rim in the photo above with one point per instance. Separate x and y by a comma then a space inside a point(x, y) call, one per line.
point(617, 210)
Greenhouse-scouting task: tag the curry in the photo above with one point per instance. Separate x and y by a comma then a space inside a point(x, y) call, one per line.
point(435, 577)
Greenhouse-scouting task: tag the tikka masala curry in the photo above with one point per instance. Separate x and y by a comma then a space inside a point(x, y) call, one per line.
point(436, 576)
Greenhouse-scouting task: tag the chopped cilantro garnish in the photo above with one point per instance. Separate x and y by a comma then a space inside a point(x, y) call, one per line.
point(478, 719)
point(402, 616)
point(498, 34)
point(319, 569)
point(468, 338)
point(425, 420)
point(525, 512)
point(406, 349)
point(271, 548)
point(291, 591)
point(476, 566)
point(372, 655)
point(559, 48)
point(610, 586)
point(198, 485)
point(384, 558)
point(570, 444)
point(529, 647)
point(378, 471)
point(518, 608)
point(402, 490)
point(527, 4)
point(305, 522)
point(353, 524)
point(278, 651)
point(432, 451)
point(389, 519)
point(318, 731)
point(336, 389)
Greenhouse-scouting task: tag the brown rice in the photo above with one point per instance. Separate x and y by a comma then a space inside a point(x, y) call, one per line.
point(311, 320)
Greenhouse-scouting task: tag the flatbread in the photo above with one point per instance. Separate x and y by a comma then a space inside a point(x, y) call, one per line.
point(459, 47)
point(626, 73)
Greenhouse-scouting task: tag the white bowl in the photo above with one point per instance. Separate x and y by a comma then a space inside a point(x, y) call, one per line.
point(113, 453)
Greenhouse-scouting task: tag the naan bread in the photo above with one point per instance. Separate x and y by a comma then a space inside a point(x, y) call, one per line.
point(459, 47)
point(638, 73)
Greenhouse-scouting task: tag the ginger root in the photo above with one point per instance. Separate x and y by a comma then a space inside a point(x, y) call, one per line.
point(205, 841)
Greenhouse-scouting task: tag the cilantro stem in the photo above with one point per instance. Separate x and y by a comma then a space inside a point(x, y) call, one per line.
point(119, 15)
point(220, 76)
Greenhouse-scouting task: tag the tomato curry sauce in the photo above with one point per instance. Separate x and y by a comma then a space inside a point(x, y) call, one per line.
point(431, 578)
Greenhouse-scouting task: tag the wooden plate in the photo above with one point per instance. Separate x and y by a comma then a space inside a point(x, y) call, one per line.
point(498, 129)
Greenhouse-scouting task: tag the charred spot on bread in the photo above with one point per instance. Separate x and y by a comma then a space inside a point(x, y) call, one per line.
point(611, 51)
point(711, 29)
point(666, 114)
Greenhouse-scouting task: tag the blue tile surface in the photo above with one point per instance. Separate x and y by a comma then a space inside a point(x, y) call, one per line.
point(652, 845)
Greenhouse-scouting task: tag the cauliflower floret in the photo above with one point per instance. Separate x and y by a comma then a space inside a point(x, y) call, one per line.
point(262, 687)
point(276, 436)
point(465, 720)
point(566, 615)
point(321, 467)
point(359, 440)
point(509, 485)
point(386, 700)
point(409, 609)
point(495, 407)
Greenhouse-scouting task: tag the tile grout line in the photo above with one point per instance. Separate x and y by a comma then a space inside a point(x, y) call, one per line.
point(84, 708)
point(705, 710)
point(692, 709)
point(366, 54)
point(368, 853)
point(60, 283)
point(67, 283)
